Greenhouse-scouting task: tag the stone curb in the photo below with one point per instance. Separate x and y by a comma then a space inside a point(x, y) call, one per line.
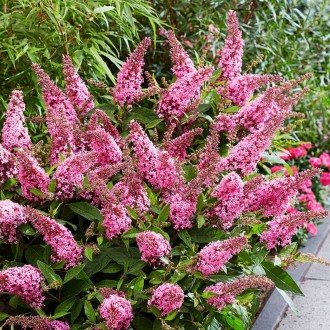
point(276, 306)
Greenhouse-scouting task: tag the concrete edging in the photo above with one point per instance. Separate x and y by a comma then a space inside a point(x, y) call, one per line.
point(275, 307)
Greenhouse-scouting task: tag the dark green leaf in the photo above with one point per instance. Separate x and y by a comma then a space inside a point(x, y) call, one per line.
point(281, 278)
point(86, 210)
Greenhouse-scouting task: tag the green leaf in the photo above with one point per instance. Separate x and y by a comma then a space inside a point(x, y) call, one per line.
point(49, 273)
point(9, 183)
point(139, 284)
point(122, 256)
point(89, 311)
point(200, 221)
point(289, 301)
point(3, 316)
point(281, 278)
point(171, 316)
point(154, 123)
point(206, 234)
point(289, 249)
point(164, 213)
point(183, 234)
point(89, 253)
point(34, 253)
point(141, 323)
point(27, 229)
point(72, 273)
point(208, 294)
point(65, 305)
point(112, 269)
point(131, 233)
point(76, 310)
point(86, 210)
point(103, 9)
point(51, 186)
point(37, 192)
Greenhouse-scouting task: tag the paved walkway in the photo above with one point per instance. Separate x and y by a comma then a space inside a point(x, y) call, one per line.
point(314, 281)
point(314, 306)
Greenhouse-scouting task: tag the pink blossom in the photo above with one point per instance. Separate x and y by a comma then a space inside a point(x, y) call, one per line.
point(240, 89)
point(273, 197)
point(325, 179)
point(167, 298)
point(311, 228)
point(57, 236)
point(36, 323)
point(62, 133)
point(24, 282)
point(244, 156)
point(117, 312)
point(229, 194)
point(214, 255)
point(294, 153)
point(100, 119)
point(69, 175)
point(129, 79)
point(131, 192)
point(282, 228)
point(31, 175)
point(102, 142)
point(232, 53)
point(54, 98)
point(315, 206)
point(226, 292)
point(116, 220)
point(156, 165)
point(178, 99)
point(14, 134)
point(325, 159)
point(182, 63)
point(11, 216)
point(75, 89)
point(8, 167)
point(152, 246)
point(307, 145)
point(182, 208)
point(177, 147)
point(315, 162)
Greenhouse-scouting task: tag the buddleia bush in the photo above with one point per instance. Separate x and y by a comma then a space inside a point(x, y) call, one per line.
point(161, 211)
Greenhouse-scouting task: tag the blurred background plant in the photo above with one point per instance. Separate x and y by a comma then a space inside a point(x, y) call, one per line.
point(97, 34)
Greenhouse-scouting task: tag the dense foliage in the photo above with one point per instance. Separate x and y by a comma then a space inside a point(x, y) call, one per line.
point(160, 212)
point(96, 34)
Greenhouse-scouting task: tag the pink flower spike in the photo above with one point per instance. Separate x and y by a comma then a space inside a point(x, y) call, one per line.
point(8, 166)
point(226, 292)
point(167, 298)
point(177, 100)
point(181, 60)
point(129, 79)
point(116, 220)
point(117, 312)
point(214, 255)
point(75, 89)
point(54, 97)
point(11, 216)
point(230, 196)
point(311, 228)
point(31, 175)
point(25, 282)
point(69, 175)
point(58, 237)
point(14, 134)
point(232, 53)
point(152, 246)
